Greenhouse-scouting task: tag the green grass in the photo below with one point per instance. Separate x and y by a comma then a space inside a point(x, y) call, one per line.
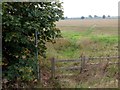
point(71, 35)
point(105, 39)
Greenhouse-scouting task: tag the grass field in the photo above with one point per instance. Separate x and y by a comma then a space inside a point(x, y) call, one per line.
point(86, 36)
point(90, 37)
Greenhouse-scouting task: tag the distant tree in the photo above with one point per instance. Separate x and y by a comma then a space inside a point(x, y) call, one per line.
point(82, 17)
point(103, 16)
point(66, 17)
point(95, 16)
point(108, 16)
point(90, 16)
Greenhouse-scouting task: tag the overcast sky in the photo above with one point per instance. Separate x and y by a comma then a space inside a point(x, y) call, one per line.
point(78, 8)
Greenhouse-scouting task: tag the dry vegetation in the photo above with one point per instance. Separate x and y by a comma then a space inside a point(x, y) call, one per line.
point(105, 26)
point(89, 22)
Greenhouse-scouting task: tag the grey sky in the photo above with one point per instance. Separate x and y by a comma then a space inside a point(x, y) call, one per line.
point(77, 8)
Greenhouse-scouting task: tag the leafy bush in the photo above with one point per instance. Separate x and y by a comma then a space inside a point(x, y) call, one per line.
point(20, 20)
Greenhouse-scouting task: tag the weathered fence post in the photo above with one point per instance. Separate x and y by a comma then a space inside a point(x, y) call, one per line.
point(81, 66)
point(82, 63)
point(53, 67)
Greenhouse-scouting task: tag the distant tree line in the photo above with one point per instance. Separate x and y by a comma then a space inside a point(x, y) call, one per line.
point(95, 16)
point(90, 17)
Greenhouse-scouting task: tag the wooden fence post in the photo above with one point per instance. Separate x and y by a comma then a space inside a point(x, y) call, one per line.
point(81, 64)
point(84, 61)
point(53, 67)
